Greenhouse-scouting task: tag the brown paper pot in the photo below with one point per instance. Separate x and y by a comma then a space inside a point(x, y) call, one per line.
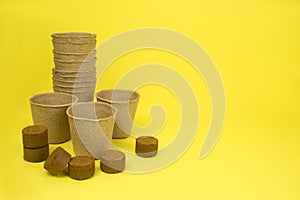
point(72, 84)
point(71, 37)
point(83, 96)
point(74, 73)
point(74, 65)
point(126, 102)
point(91, 126)
point(74, 47)
point(73, 79)
point(75, 89)
point(74, 76)
point(79, 75)
point(49, 109)
point(74, 56)
point(84, 81)
point(79, 85)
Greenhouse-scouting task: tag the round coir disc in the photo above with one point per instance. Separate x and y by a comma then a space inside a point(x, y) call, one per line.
point(36, 155)
point(81, 167)
point(112, 161)
point(146, 146)
point(57, 161)
point(35, 136)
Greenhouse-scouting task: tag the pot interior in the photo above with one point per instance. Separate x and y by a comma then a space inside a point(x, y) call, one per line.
point(53, 99)
point(92, 111)
point(117, 95)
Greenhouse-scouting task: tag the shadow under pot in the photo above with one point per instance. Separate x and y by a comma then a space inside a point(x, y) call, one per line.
point(49, 109)
point(91, 126)
point(126, 102)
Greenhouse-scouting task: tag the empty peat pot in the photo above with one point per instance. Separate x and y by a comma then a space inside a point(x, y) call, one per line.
point(73, 37)
point(74, 42)
point(85, 96)
point(49, 109)
point(72, 84)
point(77, 87)
point(74, 47)
point(69, 83)
point(74, 73)
point(75, 64)
point(126, 102)
point(74, 56)
point(91, 126)
point(73, 79)
point(82, 95)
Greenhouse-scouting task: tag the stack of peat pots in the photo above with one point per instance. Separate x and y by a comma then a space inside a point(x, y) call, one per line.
point(75, 64)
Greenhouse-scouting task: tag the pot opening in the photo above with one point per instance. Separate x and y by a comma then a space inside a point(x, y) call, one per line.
point(117, 95)
point(73, 34)
point(53, 99)
point(91, 111)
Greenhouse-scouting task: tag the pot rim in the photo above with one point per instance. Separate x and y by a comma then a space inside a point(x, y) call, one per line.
point(74, 100)
point(70, 81)
point(68, 53)
point(73, 35)
point(118, 90)
point(114, 112)
point(61, 71)
point(76, 61)
point(75, 86)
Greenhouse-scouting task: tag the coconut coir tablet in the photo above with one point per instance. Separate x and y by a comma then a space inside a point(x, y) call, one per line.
point(57, 161)
point(81, 167)
point(35, 136)
point(35, 155)
point(112, 161)
point(146, 146)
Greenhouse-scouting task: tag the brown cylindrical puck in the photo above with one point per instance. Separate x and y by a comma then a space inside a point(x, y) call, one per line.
point(146, 146)
point(35, 155)
point(112, 161)
point(35, 136)
point(57, 161)
point(81, 167)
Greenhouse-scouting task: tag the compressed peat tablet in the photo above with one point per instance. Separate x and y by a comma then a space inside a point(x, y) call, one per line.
point(146, 146)
point(35, 136)
point(36, 155)
point(81, 167)
point(57, 161)
point(112, 161)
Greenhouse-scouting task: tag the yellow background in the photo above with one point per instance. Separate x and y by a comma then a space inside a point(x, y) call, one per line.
point(255, 45)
